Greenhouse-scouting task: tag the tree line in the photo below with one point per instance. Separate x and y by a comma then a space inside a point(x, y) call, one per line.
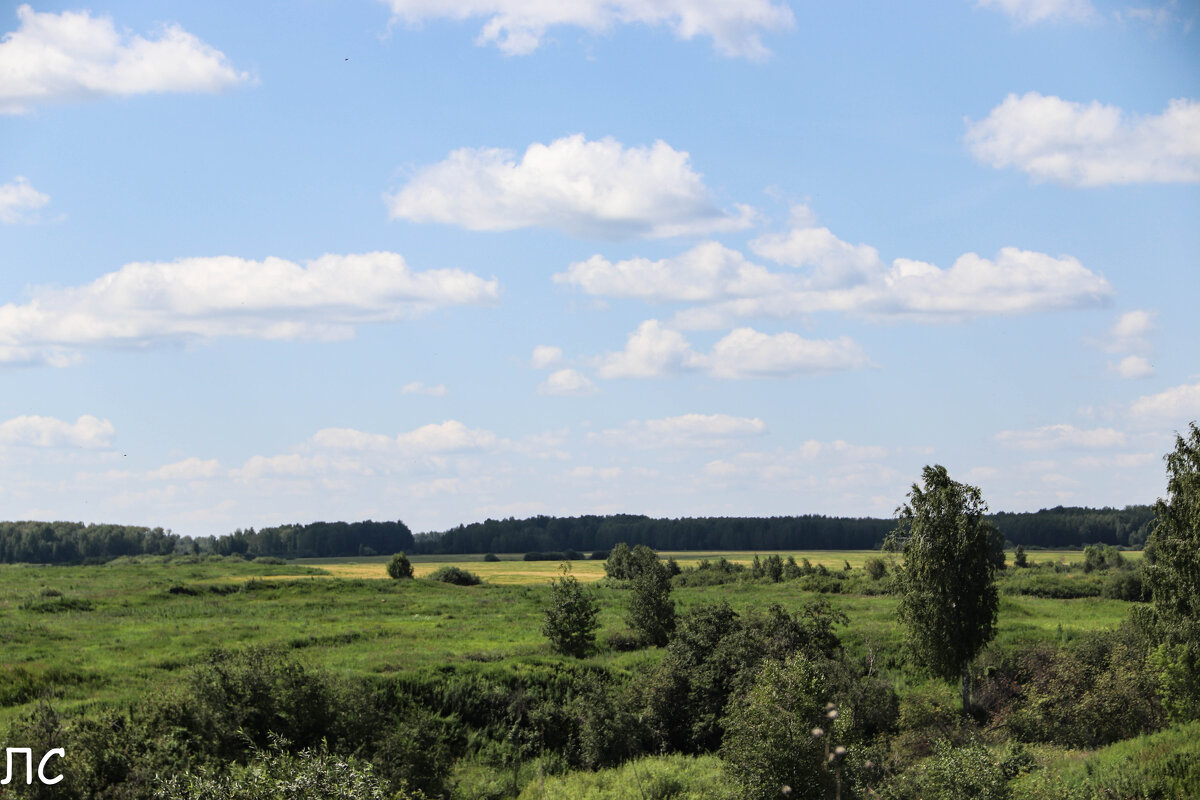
point(76, 542)
point(1054, 527)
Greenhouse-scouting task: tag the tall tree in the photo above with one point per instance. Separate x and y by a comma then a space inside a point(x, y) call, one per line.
point(651, 609)
point(947, 587)
point(570, 622)
point(1174, 577)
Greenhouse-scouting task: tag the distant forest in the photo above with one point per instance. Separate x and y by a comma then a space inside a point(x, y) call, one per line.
point(75, 542)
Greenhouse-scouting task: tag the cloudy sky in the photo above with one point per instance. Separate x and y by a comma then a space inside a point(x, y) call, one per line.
point(440, 260)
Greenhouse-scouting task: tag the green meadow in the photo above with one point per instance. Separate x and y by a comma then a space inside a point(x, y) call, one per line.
point(107, 634)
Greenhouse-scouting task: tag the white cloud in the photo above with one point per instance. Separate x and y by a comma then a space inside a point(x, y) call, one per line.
point(518, 27)
point(446, 437)
point(546, 356)
point(190, 469)
point(18, 198)
point(650, 351)
point(567, 383)
point(417, 387)
point(596, 473)
point(70, 56)
point(833, 275)
point(1131, 331)
point(708, 271)
point(584, 188)
point(653, 351)
point(833, 263)
point(688, 430)
point(1028, 12)
point(295, 465)
point(1063, 435)
point(1131, 367)
point(1119, 461)
point(202, 298)
point(746, 353)
point(35, 431)
point(1089, 145)
point(1175, 406)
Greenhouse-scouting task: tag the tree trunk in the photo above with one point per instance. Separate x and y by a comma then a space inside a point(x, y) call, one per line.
point(966, 688)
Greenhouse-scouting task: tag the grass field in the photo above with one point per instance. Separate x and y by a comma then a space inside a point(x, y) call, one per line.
point(107, 633)
point(512, 569)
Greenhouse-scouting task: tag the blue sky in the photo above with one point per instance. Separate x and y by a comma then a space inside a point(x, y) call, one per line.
point(440, 260)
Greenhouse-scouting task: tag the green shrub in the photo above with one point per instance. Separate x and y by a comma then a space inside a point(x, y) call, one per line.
point(876, 568)
point(952, 773)
point(673, 777)
point(400, 567)
point(456, 575)
point(491, 558)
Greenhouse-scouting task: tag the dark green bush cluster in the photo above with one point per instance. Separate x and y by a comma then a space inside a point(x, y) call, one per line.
point(455, 575)
point(555, 555)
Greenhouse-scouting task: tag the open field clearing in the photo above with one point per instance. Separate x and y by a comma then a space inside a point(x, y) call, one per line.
point(108, 632)
point(512, 569)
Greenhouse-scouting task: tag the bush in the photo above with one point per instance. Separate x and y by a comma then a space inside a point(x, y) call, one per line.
point(952, 773)
point(400, 567)
point(570, 622)
point(456, 576)
point(876, 568)
point(651, 609)
point(770, 738)
point(491, 558)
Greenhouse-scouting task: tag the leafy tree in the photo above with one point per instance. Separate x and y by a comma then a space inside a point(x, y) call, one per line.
point(947, 587)
point(651, 609)
point(876, 568)
point(772, 739)
point(617, 564)
point(571, 616)
point(773, 568)
point(400, 567)
point(1174, 577)
point(1019, 557)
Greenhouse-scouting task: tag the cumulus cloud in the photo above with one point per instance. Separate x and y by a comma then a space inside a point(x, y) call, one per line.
point(518, 27)
point(833, 275)
point(1131, 367)
point(34, 431)
point(688, 430)
point(598, 189)
point(1029, 12)
point(1091, 144)
point(567, 383)
point(18, 200)
point(1131, 331)
point(203, 298)
point(708, 271)
point(546, 356)
point(450, 436)
point(190, 469)
point(1175, 406)
point(654, 350)
point(1061, 436)
point(70, 56)
point(417, 387)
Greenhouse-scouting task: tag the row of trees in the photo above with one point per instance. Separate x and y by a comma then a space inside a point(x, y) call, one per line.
point(75, 542)
point(1055, 527)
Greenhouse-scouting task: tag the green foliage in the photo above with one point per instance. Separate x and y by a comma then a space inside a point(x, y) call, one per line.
point(876, 568)
point(491, 558)
point(1019, 557)
point(455, 575)
point(570, 619)
point(673, 777)
point(314, 774)
point(400, 567)
point(1174, 575)
point(1160, 766)
point(948, 598)
point(1102, 557)
point(952, 773)
point(769, 739)
point(651, 609)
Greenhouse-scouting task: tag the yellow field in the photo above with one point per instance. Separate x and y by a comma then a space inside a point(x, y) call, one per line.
point(511, 569)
